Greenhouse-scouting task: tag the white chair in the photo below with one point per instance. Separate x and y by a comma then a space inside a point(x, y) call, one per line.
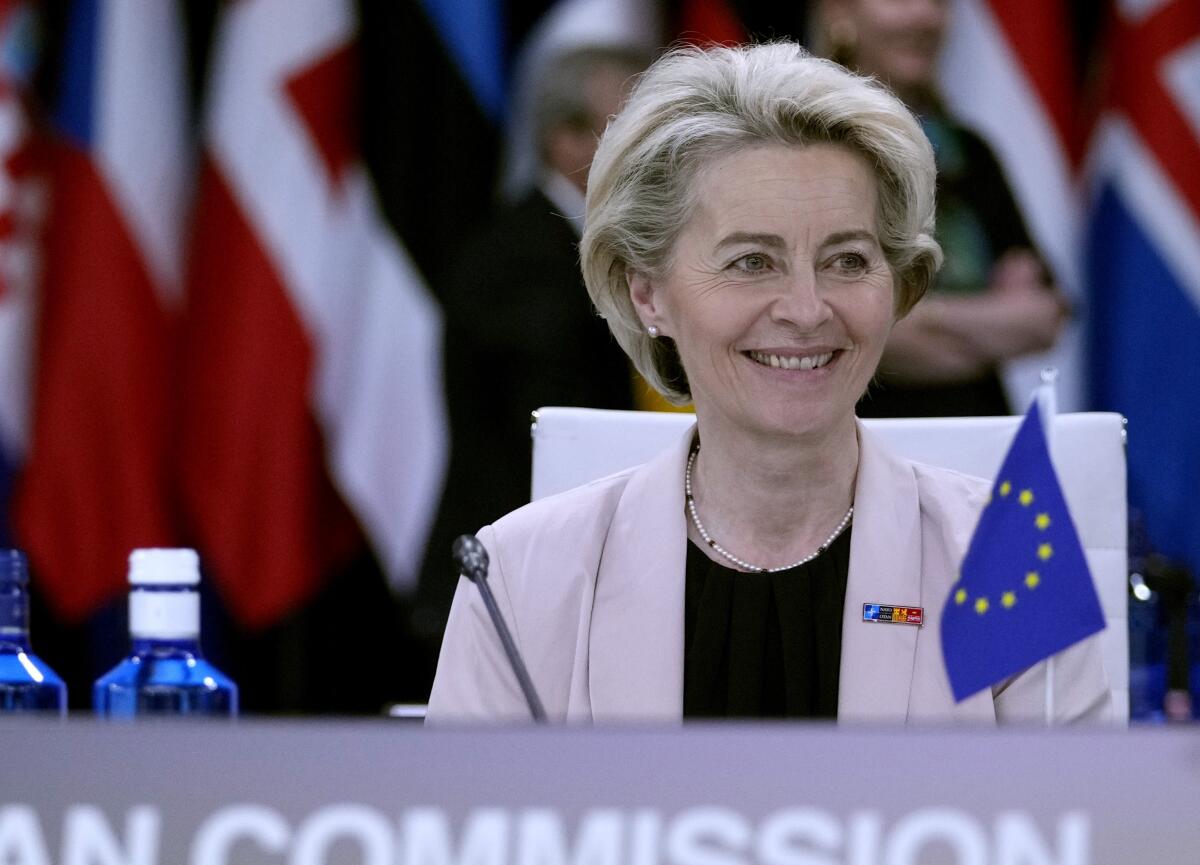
point(572, 446)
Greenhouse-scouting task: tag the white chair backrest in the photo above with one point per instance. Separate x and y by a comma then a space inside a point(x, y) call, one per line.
point(572, 446)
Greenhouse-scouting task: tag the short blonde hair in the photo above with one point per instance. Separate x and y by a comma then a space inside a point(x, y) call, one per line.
point(695, 105)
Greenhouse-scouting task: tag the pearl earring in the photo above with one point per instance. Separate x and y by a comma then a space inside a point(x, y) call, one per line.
point(653, 331)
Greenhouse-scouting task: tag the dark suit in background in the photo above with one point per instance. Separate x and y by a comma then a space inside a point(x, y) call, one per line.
point(521, 332)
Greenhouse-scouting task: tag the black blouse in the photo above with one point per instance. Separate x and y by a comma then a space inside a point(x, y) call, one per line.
point(764, 645)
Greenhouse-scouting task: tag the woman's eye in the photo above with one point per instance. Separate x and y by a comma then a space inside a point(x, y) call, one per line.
point(752, 263)
point(852, 262)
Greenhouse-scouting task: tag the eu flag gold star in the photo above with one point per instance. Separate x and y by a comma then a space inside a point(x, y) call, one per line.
point(981, 605)
point(1026, 497)
point(1032, 579)
point(1042, 521)
point(1045, 551)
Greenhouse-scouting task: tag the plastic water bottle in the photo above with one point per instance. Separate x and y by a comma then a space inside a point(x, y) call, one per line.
point(26, 683)
point(165, 673)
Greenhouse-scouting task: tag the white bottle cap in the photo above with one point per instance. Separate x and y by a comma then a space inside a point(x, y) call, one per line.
point(164, 567)
point(164, 615)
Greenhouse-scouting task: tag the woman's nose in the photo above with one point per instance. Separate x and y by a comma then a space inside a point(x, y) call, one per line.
point(801, 303)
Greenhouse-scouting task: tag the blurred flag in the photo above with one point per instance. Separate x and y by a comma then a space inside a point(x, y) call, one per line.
point(311, 379)
point(709, 21)
point(433, 86)
point(21, 198)
point(94, 484)
point(1143, 254)
point(472, 34)
point(1025, 592)
point(1007, 72)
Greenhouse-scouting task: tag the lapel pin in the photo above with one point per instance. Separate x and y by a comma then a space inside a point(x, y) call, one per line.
point(894, 615)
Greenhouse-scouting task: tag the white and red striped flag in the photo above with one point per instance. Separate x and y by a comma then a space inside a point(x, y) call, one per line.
point(312, 388)
point(95, 481)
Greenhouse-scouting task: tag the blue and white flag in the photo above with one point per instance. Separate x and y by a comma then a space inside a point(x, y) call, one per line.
point(1143, 262)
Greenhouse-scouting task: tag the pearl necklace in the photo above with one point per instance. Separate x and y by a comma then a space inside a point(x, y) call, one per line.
point(691, 504)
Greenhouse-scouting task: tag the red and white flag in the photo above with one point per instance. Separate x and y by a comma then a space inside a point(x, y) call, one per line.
point(22, 193)
point(94, 483)
point(312, 406)
point(1007, 72)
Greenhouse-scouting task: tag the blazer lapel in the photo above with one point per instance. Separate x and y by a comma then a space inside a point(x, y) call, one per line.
point(885, 568)
point(635, 645)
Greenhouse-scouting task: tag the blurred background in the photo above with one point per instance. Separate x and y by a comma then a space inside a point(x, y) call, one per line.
point(282, 280)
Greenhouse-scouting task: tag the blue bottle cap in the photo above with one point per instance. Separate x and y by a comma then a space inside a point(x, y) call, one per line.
point(14, 568)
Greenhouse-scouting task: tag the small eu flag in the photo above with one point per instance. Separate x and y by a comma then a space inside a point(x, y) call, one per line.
point(1024, 592)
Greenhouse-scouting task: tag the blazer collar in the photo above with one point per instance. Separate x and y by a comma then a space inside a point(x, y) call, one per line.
point(636, 642)
point(885, 568)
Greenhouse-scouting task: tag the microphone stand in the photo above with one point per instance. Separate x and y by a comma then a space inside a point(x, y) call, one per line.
point(472, 560)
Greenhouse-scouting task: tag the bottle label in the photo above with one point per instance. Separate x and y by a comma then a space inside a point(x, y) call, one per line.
point(164, 615)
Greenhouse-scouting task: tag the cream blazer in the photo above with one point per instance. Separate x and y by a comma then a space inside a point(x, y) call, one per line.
point(591, 583)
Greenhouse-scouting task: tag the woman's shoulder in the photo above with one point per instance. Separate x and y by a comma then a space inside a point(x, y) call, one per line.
point(950, 504)
point(939, 489)
point(938, 480)
point(571, 520)
point(950, 496)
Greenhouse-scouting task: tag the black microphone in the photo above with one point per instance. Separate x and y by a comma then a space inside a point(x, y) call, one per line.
point(472, 560)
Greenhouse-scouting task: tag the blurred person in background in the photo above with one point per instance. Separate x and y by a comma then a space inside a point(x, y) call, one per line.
point(993, 301)
point(758, 221)
point(520, 330)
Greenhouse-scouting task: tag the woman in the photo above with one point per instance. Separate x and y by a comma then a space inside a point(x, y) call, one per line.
point(757, 221)
point(992, 303)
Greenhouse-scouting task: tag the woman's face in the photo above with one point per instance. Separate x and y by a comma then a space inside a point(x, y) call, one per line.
point(896, 40)
point(778, 297)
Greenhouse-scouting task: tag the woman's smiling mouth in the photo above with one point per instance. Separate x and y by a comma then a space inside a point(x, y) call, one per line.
point(791, 361)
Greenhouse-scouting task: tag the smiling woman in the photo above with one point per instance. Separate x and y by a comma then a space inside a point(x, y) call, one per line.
point(779, 298)
point(757, 222)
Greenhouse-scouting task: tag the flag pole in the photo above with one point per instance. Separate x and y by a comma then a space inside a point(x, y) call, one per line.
point(1046, 397)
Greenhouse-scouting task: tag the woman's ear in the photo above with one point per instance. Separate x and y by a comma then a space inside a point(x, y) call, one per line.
point(645, 301)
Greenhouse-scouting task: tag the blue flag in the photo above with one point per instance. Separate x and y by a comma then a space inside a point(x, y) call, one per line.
point(1142, 239)
point(1025, 592)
